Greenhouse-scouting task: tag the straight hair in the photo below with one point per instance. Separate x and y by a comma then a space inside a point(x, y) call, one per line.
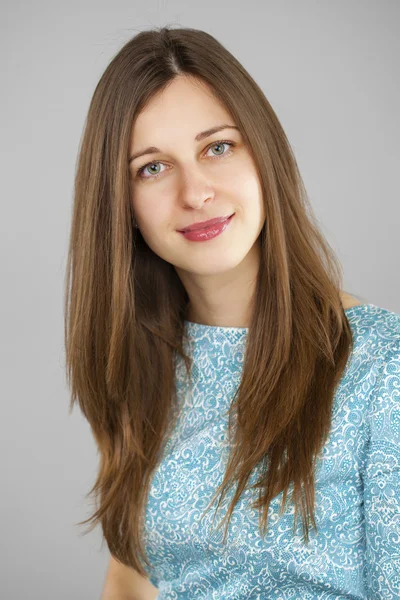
point(125, 306)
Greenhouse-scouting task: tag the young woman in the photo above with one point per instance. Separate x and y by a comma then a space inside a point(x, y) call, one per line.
point(224, 360)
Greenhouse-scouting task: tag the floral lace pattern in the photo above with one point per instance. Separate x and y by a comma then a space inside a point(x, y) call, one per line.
point(356, 552)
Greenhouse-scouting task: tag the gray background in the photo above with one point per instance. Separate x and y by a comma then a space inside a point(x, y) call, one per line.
point(330, 71)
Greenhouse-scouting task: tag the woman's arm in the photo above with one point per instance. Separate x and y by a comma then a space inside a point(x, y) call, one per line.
point(124, 583)
point(382, 483)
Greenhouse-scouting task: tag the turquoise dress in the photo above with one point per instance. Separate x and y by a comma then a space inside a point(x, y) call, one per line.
point(356, 553)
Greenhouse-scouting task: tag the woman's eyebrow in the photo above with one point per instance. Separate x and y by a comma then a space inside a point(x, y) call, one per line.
point(200, 136)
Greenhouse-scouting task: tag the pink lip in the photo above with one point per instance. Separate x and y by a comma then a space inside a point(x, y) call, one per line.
point(205, 224)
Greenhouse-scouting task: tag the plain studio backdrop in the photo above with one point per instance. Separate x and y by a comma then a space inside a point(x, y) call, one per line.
point(330, 71)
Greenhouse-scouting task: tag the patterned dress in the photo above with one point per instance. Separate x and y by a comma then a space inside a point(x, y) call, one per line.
point(356, 552)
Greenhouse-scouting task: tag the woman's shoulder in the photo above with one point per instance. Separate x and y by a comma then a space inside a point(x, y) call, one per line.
point(372, 378)
point(376, 330)
point(374, 324)
point(349, 301)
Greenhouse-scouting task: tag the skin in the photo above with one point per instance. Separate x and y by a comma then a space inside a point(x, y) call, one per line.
point(194, 185)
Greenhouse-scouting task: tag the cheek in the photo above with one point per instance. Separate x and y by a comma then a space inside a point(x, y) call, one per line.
point(144, 206)
point(248, 189)
point(154, 217)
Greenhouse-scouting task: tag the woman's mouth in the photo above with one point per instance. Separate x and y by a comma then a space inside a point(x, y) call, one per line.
point(208, 232)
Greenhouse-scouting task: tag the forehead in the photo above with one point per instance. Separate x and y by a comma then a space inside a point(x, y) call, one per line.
point(186, 104)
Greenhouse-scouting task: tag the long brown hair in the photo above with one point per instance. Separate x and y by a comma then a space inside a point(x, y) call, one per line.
point(125, 306)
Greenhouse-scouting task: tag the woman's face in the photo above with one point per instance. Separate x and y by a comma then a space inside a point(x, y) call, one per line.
point(189, 180)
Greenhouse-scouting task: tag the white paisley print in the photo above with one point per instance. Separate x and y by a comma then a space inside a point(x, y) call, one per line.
point(356, 552)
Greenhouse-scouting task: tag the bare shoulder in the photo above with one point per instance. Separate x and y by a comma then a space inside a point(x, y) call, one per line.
point(349, 301)
point(121, 578)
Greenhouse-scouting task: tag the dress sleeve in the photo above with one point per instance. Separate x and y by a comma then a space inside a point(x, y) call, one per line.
point(382, 483)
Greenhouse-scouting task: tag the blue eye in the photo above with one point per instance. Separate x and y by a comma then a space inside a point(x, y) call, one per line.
point(140, 171)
